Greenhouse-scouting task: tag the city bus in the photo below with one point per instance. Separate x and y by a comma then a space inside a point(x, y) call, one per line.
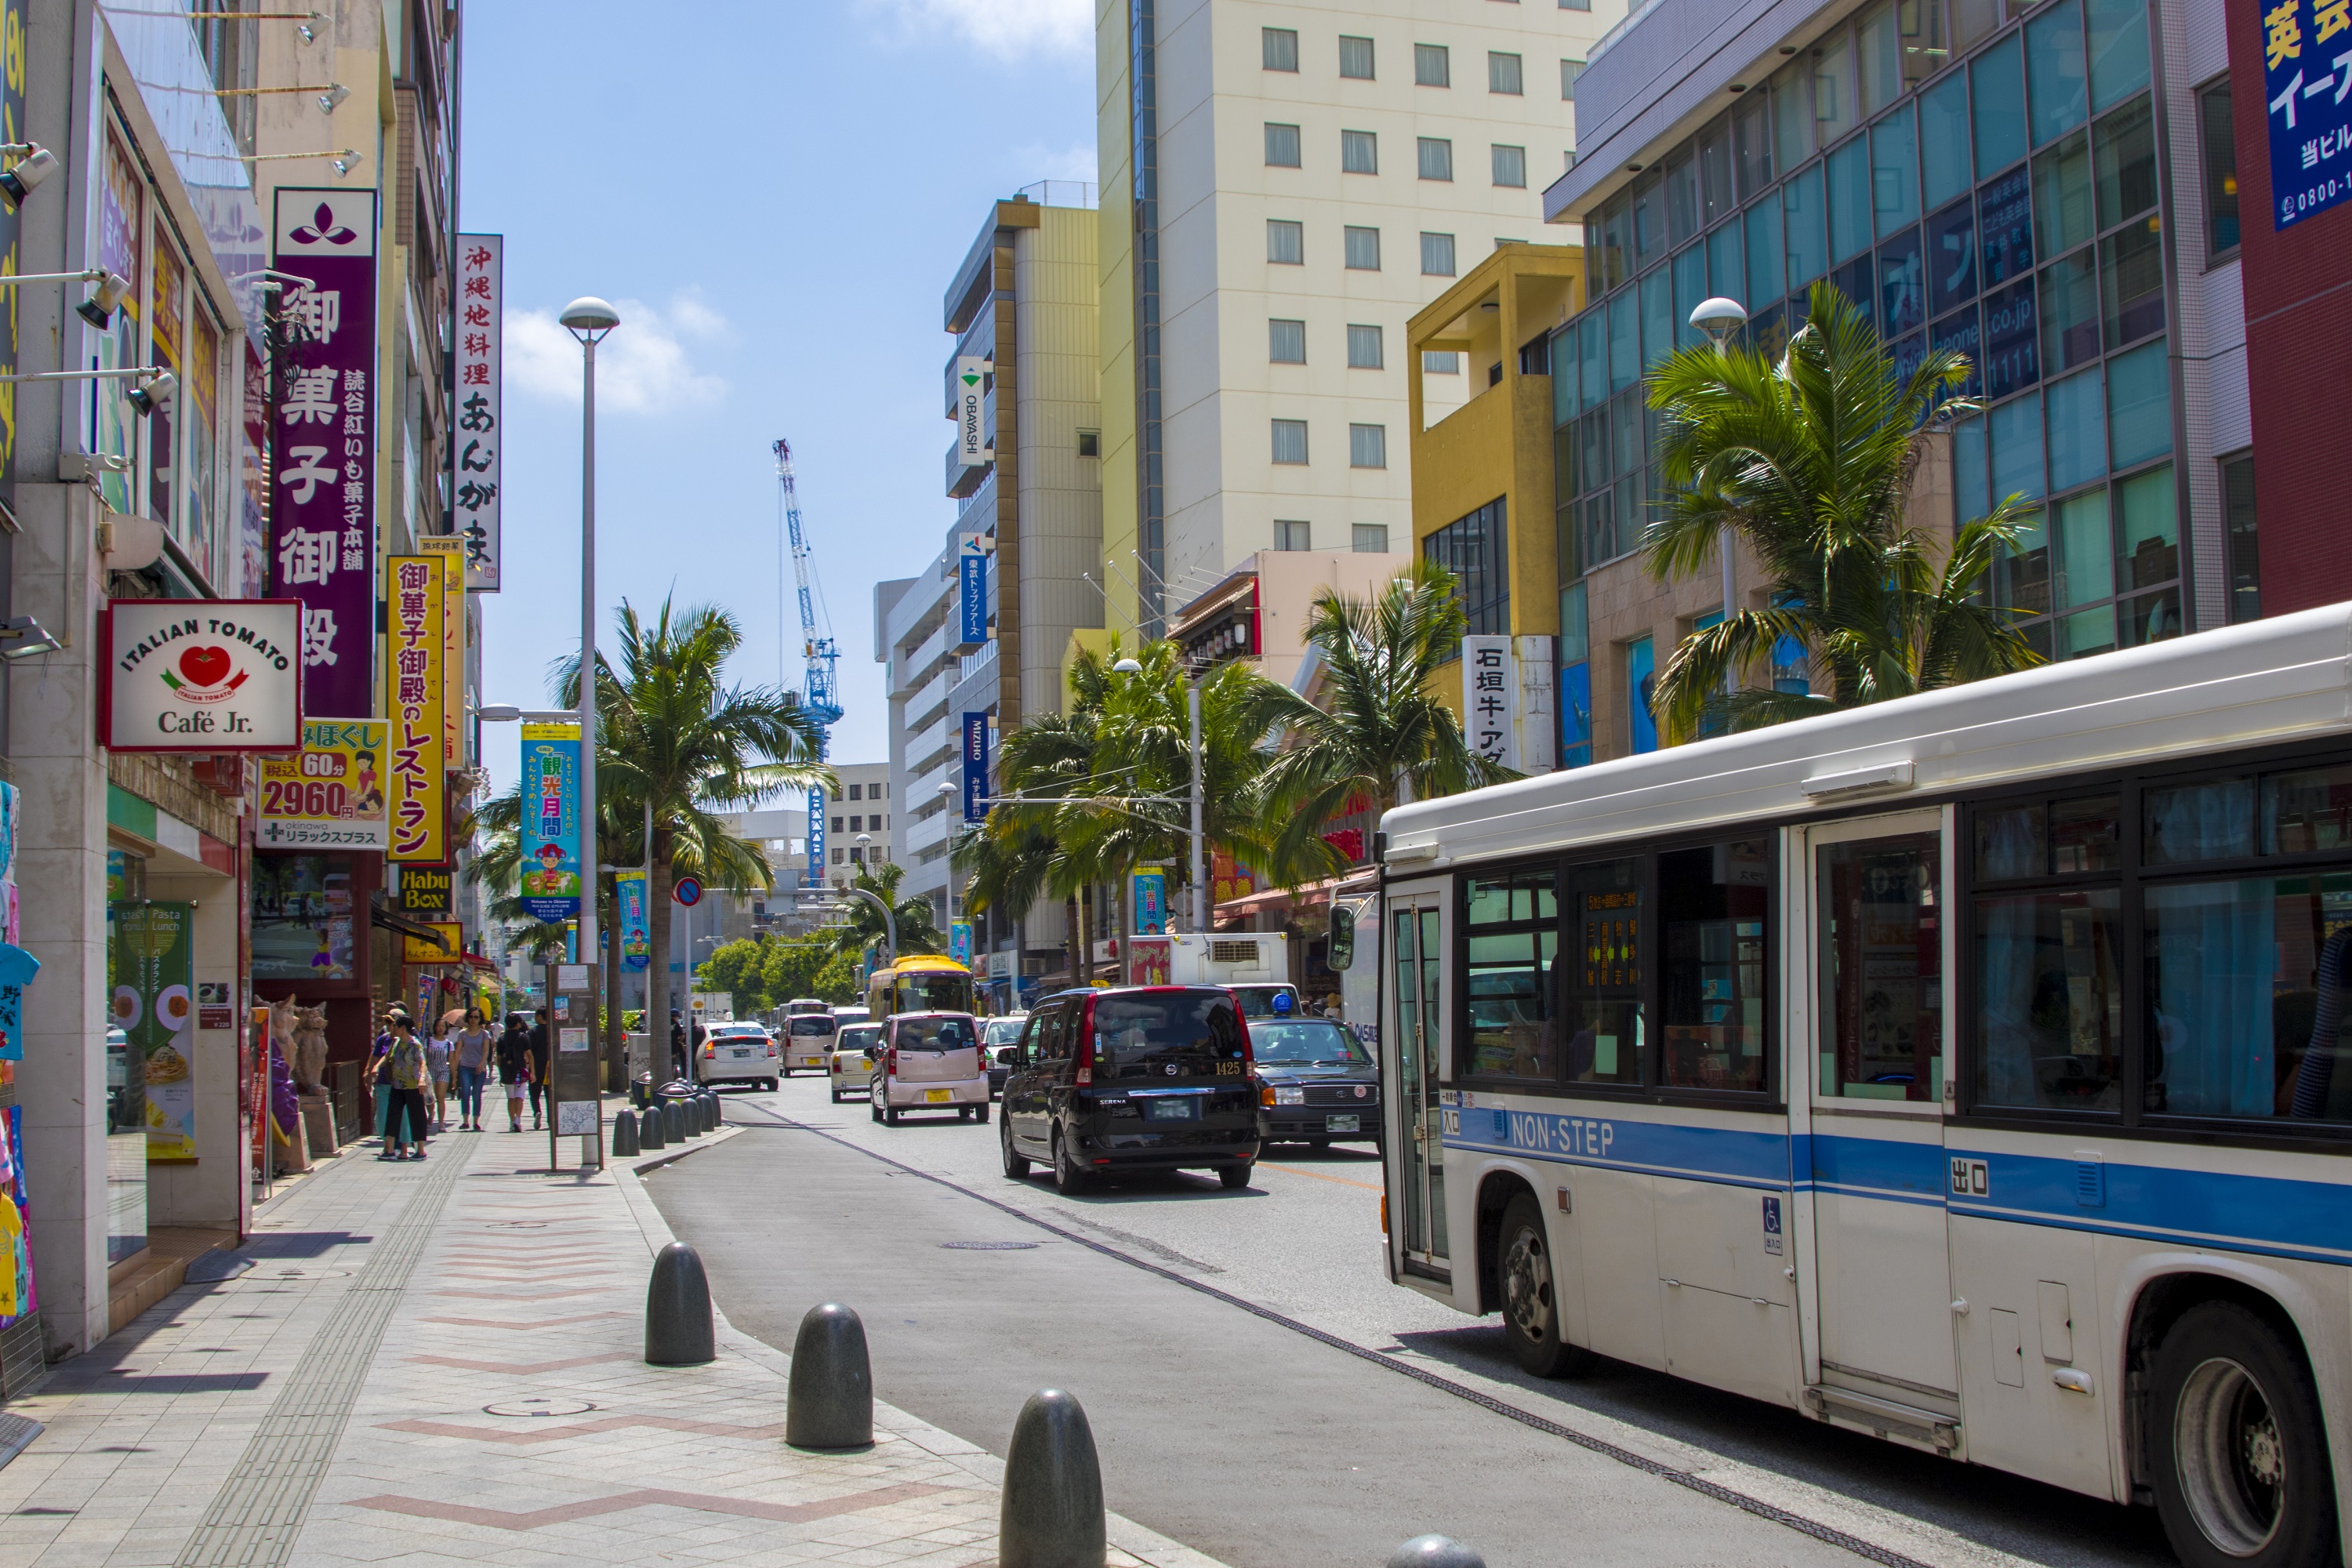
point(925, 983)
point(1959, 1070)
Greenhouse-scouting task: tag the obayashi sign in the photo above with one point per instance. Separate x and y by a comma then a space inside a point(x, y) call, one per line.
point(203, 675)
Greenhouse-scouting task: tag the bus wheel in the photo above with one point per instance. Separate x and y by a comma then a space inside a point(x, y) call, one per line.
point(1531, 1318)
point(2241, 1460)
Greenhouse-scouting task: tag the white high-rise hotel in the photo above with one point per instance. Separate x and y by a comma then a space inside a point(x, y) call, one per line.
point(1283, 184)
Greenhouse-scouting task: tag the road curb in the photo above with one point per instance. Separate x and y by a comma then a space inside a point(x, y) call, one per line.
point(707, 1141)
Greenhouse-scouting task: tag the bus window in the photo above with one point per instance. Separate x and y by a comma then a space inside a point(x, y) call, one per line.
point(2236, 974)
point(2049, 1000)
point(1712, 901)
point(1601, 1004)
point(934, 991)
point(1882, 978)
point(1514, 943)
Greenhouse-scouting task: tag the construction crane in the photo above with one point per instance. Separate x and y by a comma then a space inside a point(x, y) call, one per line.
point(820, 655)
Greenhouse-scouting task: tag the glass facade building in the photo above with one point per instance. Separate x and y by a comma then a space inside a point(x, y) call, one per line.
point(1981, 175)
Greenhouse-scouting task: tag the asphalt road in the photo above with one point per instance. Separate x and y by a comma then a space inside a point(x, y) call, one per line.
point(1259, 1390)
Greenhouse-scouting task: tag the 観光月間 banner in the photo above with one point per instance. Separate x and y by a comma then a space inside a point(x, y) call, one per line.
point(551, 822)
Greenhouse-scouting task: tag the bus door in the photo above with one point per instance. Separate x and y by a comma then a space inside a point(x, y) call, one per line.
point(1417, 1172)
point(1872, 1001)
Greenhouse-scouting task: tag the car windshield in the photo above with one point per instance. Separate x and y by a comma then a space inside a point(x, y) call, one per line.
point(1003, 1031)
point(1316, 1042)
point(949, 1033)
point(811, 1024)
point(859, 1036)
point(1257, 1001)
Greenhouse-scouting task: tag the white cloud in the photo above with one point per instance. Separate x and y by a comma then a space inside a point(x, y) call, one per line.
point(643, 367)
point(1007, 29)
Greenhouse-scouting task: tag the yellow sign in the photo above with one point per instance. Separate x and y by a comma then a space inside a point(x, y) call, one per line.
point(417, 950)
point(416, 692)
point(328, 795)
point(451, 548)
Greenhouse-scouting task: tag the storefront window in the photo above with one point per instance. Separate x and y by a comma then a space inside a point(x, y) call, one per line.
point(302, 918)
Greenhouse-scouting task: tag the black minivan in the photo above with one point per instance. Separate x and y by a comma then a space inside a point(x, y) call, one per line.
point(1135, 1078)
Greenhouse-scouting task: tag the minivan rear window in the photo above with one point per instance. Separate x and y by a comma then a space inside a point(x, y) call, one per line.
point(1148, 1032)
point(937, 1034)
point(811, 1024)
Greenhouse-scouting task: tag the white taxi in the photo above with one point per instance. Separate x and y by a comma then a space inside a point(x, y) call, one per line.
point(854, 1051)
point(738, 1053)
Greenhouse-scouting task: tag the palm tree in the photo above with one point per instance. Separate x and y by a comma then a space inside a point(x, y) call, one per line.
point(1045, 759)
point(678, 738)
point(1384, 735)
point(919, 929)
point(1811, 458)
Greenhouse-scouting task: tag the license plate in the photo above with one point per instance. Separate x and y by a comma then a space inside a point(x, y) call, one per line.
point(740, 1052)
point(937, 1095)
point(1343, 1124)
point(1185, 1109)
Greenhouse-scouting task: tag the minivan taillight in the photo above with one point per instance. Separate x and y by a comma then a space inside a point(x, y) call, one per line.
point(890, 1061)
point(1086, 1044)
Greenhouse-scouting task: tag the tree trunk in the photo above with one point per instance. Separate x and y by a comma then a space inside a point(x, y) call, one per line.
point(658, 1001)
point(1070, 938)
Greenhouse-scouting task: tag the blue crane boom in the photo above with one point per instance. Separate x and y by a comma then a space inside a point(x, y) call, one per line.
point(821, 656)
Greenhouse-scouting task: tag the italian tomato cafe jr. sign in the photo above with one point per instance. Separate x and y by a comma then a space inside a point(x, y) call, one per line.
point(215, 675)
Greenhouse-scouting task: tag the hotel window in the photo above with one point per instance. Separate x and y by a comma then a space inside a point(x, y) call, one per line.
point(1356, 59)
point(1290, 441)
point(1369, 538)
point(1503, 74)
point(1281, 146)
point(1436, 158)
point(1510, 170)
point(1431, 66)
point(857, 792)
point(1089, 443)
point(1440, 361)
point(1359, 153)
point(1293, 535)
point(1363, 250)
point(1281, 49)
point(1285, 341)
point(1368, 446)
point(1436, 255)
point(1363, 347)
point(1576, 5)
point(1568, 71)
point(1285, 242)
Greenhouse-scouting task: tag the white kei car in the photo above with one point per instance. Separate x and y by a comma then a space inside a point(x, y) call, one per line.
point(738, 1053)
point(808, 1041)
point(854, 1051)
point(929, 1061)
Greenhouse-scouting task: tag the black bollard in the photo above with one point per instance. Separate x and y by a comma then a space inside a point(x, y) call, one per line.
point(673, 1117)
point(718, 1111)
point(649, 1128)
point(624, 1132)
point(1434, 1552)
point(677, 1310)
point(691, 1109)
point(829, 1403)
point(1051, 1515)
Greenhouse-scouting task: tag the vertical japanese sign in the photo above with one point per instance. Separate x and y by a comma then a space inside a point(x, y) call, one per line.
point(155, 1006)
point(1533, 720)
point(550, 821)
point(2307, 80)
point(451, 549)
point(636, 941)
point(1150, 904)
point(414, 697)
point(973, 437)
point(322, 443)
point(972, 591)
point(975, 768)
point(474, 486)
point(1489, 694)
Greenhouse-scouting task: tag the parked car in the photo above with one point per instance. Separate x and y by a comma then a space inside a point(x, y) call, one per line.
point(808, 1041)
point(929, 1061)
point(738, 1053)
point(1137, 1077)
point(852, 1058)
point(1000, 1036)
point(1318, 1083)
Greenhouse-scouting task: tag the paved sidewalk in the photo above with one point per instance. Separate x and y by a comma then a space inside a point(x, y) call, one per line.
point(441, 1363)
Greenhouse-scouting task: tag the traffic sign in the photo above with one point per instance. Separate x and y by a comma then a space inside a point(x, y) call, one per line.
point(686, 890)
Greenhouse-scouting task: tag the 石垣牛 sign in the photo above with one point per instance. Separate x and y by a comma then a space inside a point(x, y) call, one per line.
point(203, 675)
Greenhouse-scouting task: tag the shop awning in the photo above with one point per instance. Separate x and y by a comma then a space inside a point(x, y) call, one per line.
point(401, 925)
point(1308, 897)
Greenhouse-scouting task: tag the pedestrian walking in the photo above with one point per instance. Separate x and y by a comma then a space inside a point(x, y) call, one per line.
point(543, 1043)
point(677, 1046)
point(514, 1067)
point(405, 1061)
point(379, 1074)
point(471, 1049)
point(436, 1065)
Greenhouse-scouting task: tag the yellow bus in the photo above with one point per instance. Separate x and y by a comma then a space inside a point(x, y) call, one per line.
point(924, 983)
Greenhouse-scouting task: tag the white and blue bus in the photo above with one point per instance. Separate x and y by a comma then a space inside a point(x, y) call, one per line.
point(1961, 1070)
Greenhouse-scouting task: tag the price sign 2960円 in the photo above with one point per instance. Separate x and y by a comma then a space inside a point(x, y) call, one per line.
point(329, 794)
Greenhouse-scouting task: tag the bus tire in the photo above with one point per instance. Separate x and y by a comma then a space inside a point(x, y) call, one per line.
point(2238, 1453)
point(1530, 1288)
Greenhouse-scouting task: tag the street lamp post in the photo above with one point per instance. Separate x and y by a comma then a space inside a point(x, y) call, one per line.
point(947, 794)
point(1719, 318)
point(591, 321)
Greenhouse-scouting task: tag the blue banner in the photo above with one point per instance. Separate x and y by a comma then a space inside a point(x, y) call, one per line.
point(636, 937)
point(2307, 81)
point(1150, 904)
point(959, 942)
point(813, 869)
point(972, 591)
point(551, 822)
point(975, 768)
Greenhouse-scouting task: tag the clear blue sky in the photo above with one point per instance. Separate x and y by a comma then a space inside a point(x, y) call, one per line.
point(775, 197)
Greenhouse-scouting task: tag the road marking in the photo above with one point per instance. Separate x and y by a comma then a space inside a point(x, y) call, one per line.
point(1294, 1170)
point(563, 1513)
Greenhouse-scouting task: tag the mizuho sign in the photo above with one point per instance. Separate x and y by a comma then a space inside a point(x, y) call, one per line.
point(203, 675)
